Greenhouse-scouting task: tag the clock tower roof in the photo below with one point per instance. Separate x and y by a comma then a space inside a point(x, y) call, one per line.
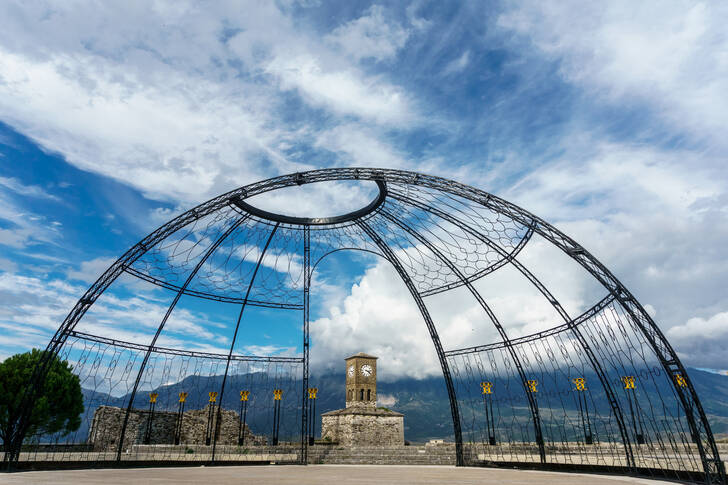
point(361, 354)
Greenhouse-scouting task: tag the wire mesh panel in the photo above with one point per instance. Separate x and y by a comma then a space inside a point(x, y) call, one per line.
point(577, 424)
point(176, 414)
point(189, 378)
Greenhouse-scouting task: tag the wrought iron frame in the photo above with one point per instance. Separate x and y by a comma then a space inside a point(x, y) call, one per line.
point(617, 292)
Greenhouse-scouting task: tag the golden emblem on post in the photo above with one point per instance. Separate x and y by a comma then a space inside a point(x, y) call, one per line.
point(312, 391)
point(213, 396)
point(628, 382)
point(487, 387)
point(182, 396)
point(244, 395)
point(277, 394)
point(680, 380)
point(532, 384)
point(153, 397)
point(579, 383)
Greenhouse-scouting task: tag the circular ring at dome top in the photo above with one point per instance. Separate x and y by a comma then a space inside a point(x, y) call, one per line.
point(317, 221)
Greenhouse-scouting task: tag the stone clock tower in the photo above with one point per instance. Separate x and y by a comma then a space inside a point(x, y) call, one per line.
point(361, 380)
point(361, 422)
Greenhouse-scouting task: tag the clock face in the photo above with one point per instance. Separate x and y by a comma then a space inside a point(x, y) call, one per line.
point(366, 370)
point(351, 371)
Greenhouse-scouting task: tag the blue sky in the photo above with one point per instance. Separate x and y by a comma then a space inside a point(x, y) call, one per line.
point(607, 120)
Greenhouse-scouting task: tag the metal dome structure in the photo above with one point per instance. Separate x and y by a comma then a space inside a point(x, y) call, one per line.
point(601, 390)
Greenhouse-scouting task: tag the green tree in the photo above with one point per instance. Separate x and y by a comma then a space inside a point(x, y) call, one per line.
point(57, 405)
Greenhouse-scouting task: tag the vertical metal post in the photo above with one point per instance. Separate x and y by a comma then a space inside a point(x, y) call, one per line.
point(580, 388)
point(210, 418)
point(312, 391)
point(488, 404)
point(277, 398)
point(306, 341)
point(243, 415)
point(180, 417)
point(152, 405)
point(629, 389)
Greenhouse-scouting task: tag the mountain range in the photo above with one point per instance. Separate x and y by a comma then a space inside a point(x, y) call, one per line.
point(424, 402)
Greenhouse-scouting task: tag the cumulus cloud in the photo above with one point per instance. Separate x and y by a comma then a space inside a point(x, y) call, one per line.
point(371, 35)
point(379, 316)
point(701, 341)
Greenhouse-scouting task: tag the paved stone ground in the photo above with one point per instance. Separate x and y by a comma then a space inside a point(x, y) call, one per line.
point(316, 474)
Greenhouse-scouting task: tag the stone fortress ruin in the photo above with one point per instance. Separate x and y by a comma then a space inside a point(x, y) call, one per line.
point(361, 422)
point(166, 428)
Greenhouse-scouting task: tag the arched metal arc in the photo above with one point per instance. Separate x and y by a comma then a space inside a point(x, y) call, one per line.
point(185, 353)
point(235, 336)
point(179, 294)
point(494, 320)
point(594, 310)
point(313, 267)
point(689, 400)
point(583, 342)
point(392, 258)
point(317, 221)
point(209, 296)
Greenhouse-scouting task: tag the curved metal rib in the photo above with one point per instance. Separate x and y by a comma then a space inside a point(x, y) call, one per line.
point(179, 294)
point(316, 221)
point(597, 308)
point(514, 355)
point(392, 258)
point(235, 336)
point(671, 364)
point(568, 321)
point(185, 353)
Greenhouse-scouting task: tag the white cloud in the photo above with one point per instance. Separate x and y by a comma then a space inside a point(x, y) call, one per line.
point(38, 306)
point(457, 65)
point(192, 109)
point(673, 56)
point(371, 35)
point(8, 265)
point(701, 341)
point(19, 188)
point(90, 270)
point(24, 227)
point(657, 222)
point(345, 92)
point(359, 146)
point(387, 400)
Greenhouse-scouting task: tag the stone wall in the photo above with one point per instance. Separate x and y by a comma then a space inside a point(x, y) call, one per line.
point(363, 427)
point(108, 421)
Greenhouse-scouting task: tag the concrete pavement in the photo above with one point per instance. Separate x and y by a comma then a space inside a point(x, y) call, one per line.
point(316, 474)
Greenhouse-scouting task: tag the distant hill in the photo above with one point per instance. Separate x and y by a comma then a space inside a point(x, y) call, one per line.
point(424, 402)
